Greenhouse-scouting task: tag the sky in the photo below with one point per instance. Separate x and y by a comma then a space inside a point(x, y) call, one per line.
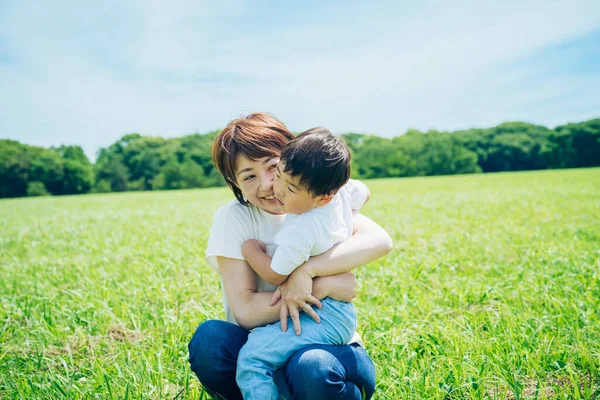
point(86, 73)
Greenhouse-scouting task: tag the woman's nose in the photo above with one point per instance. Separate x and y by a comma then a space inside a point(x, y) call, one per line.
point(266, 180)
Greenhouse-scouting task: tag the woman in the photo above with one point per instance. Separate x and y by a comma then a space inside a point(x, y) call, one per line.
point(246, 153)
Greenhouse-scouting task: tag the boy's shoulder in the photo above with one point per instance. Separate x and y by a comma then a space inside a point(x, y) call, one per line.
point(317, 218)
point(351, 196)
point(306, 221)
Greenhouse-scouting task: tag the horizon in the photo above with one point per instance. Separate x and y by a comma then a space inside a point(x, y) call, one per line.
point(93, 159)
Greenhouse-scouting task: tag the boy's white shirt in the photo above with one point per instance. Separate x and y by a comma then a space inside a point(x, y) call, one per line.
point(318, 230)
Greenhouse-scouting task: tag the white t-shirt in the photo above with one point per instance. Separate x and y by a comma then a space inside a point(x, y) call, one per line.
point(318, 230)
point(235, 223)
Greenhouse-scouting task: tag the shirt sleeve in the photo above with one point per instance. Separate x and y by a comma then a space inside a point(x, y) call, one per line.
point(293, 248)
point(231, 227)
point(357, 192)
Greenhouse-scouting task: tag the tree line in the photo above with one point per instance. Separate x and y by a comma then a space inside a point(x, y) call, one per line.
point(136, 162)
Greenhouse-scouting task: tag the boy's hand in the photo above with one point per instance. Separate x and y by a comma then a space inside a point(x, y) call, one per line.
point(252, 245)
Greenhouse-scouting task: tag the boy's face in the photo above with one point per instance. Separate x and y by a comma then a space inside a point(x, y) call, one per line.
point(291, 197)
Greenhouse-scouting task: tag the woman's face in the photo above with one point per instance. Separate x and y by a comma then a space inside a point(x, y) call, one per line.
point(255, 180)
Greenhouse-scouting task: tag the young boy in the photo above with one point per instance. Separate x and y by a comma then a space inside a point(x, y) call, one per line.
point(312, 186)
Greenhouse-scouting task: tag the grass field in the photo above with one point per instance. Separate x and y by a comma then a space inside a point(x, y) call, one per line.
point(492, 290)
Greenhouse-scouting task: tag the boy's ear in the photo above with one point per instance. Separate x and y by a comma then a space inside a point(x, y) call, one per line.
point(324, 199)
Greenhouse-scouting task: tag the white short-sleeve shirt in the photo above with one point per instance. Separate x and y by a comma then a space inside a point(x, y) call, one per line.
point(235, 223)
point(232, 225)
point(318, 230)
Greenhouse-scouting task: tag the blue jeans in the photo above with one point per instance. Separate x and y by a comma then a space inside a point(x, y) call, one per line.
point(269, 348)
point(316, 372)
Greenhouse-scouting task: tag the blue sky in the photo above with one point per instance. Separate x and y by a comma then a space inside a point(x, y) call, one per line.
point(86, 74)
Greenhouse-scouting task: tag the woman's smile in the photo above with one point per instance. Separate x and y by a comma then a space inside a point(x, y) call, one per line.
point(271, 204)
point(270, 199)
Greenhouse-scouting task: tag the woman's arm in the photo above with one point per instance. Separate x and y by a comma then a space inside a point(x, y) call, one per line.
point(369, 243)
point(251, 308)
point(340, 287)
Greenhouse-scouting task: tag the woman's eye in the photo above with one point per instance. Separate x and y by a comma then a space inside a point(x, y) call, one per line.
point(272, 167)
point(290, 190)
point(248, 177)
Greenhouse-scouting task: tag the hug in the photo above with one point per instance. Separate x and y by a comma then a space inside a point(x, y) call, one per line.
point(284, 249)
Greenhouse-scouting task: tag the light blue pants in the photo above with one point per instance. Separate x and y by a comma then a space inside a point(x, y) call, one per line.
point(268, 348)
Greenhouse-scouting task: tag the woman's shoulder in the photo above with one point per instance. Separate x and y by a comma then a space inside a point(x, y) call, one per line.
point(231, 227)
point(233, 208)
point(233, 216)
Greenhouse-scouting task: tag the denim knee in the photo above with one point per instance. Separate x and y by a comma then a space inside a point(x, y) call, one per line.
point(331, 372)
point(201, 346)
point(213, 353)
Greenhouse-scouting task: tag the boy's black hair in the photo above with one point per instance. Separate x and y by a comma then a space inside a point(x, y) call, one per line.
point(321, 159)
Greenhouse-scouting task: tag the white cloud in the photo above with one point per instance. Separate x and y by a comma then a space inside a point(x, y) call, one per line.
point(87, 76)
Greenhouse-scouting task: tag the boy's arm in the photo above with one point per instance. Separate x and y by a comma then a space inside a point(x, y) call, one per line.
point(255, 253)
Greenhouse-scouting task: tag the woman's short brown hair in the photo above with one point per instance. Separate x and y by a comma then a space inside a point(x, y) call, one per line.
point(255, 136)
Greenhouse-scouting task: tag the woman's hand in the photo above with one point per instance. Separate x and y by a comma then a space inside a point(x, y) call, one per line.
point(296, 295)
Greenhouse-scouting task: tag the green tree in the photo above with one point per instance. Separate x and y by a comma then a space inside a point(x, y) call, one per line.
point(136, 162)
point(74, 153)
point(78, 172)
point(46, 166)
point(36, 189)
point(577, 145)
point(14, 168)
point(77, 177)
point(111, 169)
point(192, 175)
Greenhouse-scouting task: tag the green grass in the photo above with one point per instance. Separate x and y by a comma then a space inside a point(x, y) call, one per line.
point(492, 290)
